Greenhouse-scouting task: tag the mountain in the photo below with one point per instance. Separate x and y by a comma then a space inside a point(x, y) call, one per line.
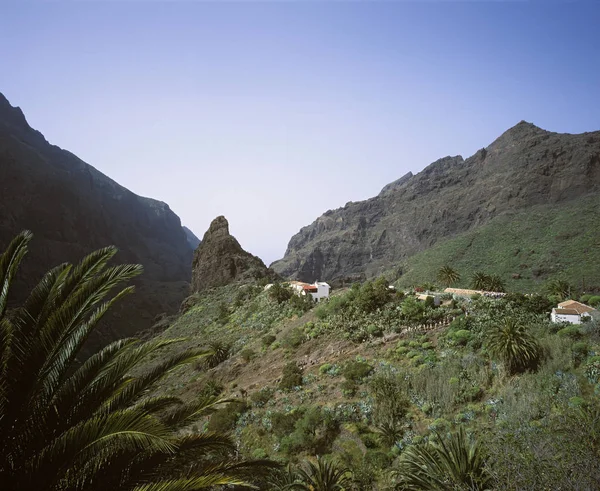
point(193, 241)
point(220, 260)
point(73, 209)
point(526, 168)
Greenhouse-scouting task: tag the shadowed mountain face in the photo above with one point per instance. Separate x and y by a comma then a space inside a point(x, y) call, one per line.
point(526, 166)
point(73, 209)
point(220, 260)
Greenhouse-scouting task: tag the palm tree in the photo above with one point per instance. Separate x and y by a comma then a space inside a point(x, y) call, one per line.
point(479, 281)
point(324, 476)
point(495, 284)
point(561, 288)
point(456, 463)
point(67, 425)
point(448, 276)
point(512, 343)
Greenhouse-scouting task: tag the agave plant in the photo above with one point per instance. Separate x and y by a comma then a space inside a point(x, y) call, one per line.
point(514, 345)
point(68, 425)
point(324, 476)
point(288, 479)
point(447, 465)
point(448, 276)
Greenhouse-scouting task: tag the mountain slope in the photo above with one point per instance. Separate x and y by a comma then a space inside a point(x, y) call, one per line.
point(73, 209)
point(542, 242)
point(525, 167)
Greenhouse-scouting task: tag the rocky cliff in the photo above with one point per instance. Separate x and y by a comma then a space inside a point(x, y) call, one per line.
point(73, 209)
point(220, 260)
point(524, 167)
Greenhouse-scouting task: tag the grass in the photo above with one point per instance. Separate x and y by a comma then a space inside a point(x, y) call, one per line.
point(545, 243)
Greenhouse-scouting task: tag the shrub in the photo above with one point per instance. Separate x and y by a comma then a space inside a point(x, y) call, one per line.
point(261, 397)
point(356, 370)
point(247, 354)
point(291, 376)
point(280, 293)
point(594, 301)
point(224, 420)
point(268, 340)
point(294, 338)
point(580, 352)
point(461, 337)
point(571, 331)
point(390, 403)
point(349, 388)
point(314, 432)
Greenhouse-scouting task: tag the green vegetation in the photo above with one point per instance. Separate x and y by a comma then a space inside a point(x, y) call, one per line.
point(547, 242)
point(377, 389)
point(67, 424)
point(455, 463)
point(448, 276)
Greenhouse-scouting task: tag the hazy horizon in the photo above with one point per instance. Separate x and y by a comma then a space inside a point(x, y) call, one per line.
point(271, 114)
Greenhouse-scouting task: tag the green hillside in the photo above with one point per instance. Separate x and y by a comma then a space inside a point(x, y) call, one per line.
point(544, 243)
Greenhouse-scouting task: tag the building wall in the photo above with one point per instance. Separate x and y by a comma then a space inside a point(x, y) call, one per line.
point(573, 319)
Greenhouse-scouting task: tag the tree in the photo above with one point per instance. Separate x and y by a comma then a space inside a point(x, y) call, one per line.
point(479, 280)
point(448, 276)
point(456, 463)
point(495, 284)
point(514, 345)
point(69, 425)
point(560, 288)
point(491, 283)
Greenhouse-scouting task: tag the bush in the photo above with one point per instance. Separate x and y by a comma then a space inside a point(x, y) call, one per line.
point(280, 293)
point(580, 351)
point(261, 397)
point(224, 420)
point(356, 370)
point(594, 301)
point(247, 354)
point(314, 432)
point(349, 388)
point(291, 376)
point(294, 338)
point(461, 337)
point(268, 340)
point(571, 331)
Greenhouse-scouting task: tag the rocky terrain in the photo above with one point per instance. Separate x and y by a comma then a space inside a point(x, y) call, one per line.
point(525, 167)
point(73, 209)
point(220, 260)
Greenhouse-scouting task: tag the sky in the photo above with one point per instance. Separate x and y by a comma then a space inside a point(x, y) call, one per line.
point(272, 113)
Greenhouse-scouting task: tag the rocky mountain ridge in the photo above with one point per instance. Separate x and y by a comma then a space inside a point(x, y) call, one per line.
point(220, 260)
point(525, 166)
point(73, 209)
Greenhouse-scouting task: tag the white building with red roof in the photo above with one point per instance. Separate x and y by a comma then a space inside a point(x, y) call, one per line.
point(571, 311)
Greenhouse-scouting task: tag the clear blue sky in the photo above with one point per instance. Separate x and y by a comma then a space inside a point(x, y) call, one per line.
point(273, 113)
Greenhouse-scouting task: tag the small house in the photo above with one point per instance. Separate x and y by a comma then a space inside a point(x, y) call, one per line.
point(572, 312)
point(319, 290)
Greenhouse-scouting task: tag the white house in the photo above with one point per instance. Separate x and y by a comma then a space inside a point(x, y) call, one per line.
point(318, 290)
point(571, 311)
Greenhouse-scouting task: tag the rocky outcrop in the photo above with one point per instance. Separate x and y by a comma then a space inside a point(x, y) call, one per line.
point(73, 209)
point(525, 166)
point(220, 260)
